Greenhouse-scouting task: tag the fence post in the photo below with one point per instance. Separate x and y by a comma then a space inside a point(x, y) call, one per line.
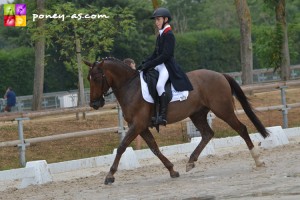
point(121, 129)
point(22, 145)
point(192, 130)
point(56, 102)
point(284, 108)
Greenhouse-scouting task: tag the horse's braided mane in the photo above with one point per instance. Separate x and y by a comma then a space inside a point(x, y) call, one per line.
point(113, 59)
point(127, 67)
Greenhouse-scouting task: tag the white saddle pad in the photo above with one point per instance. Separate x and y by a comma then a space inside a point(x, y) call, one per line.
point(177, 96)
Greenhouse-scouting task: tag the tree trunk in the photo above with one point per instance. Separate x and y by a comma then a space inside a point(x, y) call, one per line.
point(244, 18)
point(39, 62)
point(155, 4)
point(81, 97)
point(281, 21)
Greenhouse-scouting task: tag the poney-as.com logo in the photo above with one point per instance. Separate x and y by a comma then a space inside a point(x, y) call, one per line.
point(14, 14)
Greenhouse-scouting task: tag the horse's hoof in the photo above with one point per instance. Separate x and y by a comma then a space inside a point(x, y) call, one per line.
point(260, 164)
point(174, 174)
point(109, 181)
point(189, 166)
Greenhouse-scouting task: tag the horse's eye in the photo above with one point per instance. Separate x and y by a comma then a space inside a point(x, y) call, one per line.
point(97, 78)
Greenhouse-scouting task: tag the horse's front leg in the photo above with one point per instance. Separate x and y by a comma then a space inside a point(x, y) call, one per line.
point(148, 137)
point(130, 135)
point(200, 121)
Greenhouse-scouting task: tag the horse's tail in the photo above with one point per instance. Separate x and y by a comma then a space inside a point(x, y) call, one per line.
point(240, 95)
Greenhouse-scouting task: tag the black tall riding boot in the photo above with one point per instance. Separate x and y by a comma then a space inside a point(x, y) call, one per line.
point(163, 105)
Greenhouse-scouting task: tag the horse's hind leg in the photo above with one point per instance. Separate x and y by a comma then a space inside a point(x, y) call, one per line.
point(200, 121)
point(148, 137)
point(243, 132)
point(239, 127)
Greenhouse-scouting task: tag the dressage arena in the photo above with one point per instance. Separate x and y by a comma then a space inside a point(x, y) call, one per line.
point(229, 174)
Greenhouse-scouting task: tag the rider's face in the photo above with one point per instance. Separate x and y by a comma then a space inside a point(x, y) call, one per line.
point(159, 22)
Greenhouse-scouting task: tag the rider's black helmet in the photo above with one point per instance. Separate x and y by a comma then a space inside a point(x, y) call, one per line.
point(162, 12)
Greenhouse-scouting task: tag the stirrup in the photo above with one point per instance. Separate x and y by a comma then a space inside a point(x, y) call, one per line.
point(161, 121)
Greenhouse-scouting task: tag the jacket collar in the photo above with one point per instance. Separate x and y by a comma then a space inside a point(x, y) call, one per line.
point(165, 29)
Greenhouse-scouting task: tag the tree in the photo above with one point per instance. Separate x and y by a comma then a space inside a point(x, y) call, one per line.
point(89, 33)
point(245, 41)
point(155, 4)
point(39, 61)
point(17, 66)
point(281, 22)
point(281, 55)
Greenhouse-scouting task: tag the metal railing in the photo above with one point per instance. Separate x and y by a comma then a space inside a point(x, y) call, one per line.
point(22, 143)
point(266, 75)
point(192, 131)
point(67, 99)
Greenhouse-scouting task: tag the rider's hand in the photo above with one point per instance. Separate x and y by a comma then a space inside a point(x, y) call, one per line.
point(140, 67)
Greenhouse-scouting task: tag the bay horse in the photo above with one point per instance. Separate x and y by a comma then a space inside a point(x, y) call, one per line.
point(212, 91)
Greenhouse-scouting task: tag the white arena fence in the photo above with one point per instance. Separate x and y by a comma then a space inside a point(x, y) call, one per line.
point(23, 143)
point(39, 172)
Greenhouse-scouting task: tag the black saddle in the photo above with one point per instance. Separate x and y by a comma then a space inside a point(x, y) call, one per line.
point(151, 78)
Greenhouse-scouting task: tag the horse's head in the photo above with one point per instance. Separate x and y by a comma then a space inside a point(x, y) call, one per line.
point(98, 84)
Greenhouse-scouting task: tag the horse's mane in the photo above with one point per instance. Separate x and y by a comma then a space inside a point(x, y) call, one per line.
point(118, 61)
point(113, 59)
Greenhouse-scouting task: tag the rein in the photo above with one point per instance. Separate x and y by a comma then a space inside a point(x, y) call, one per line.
point(106, 93)
point(128, 82)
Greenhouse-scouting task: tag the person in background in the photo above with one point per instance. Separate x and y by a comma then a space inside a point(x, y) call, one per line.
point(10, 96)
point(130, 62)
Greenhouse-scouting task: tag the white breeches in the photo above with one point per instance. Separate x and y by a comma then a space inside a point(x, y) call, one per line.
point(162, 79)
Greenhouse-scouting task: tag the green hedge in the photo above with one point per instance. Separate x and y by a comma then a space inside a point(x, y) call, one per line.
point(219, 50)
point(210, 49)
point(17, 70)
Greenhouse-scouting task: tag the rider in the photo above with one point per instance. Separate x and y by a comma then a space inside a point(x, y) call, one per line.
point(163, 61)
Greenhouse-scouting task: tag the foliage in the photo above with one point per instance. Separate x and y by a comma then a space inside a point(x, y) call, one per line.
point(210, 49)
point(271, 3)
point(200, 14)
point(206, 32)
point(268, 47)
point(141, 42)
point(17, 66)
point(96, 35)
point(294, 43)
point(276, 37)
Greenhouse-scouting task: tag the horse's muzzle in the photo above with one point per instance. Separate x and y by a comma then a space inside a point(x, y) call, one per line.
point(97, 103)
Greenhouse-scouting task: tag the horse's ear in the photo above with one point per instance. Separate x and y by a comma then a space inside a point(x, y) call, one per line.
point(87, 63)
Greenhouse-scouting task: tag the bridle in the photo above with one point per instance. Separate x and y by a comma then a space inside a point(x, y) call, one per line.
point(104, 79)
